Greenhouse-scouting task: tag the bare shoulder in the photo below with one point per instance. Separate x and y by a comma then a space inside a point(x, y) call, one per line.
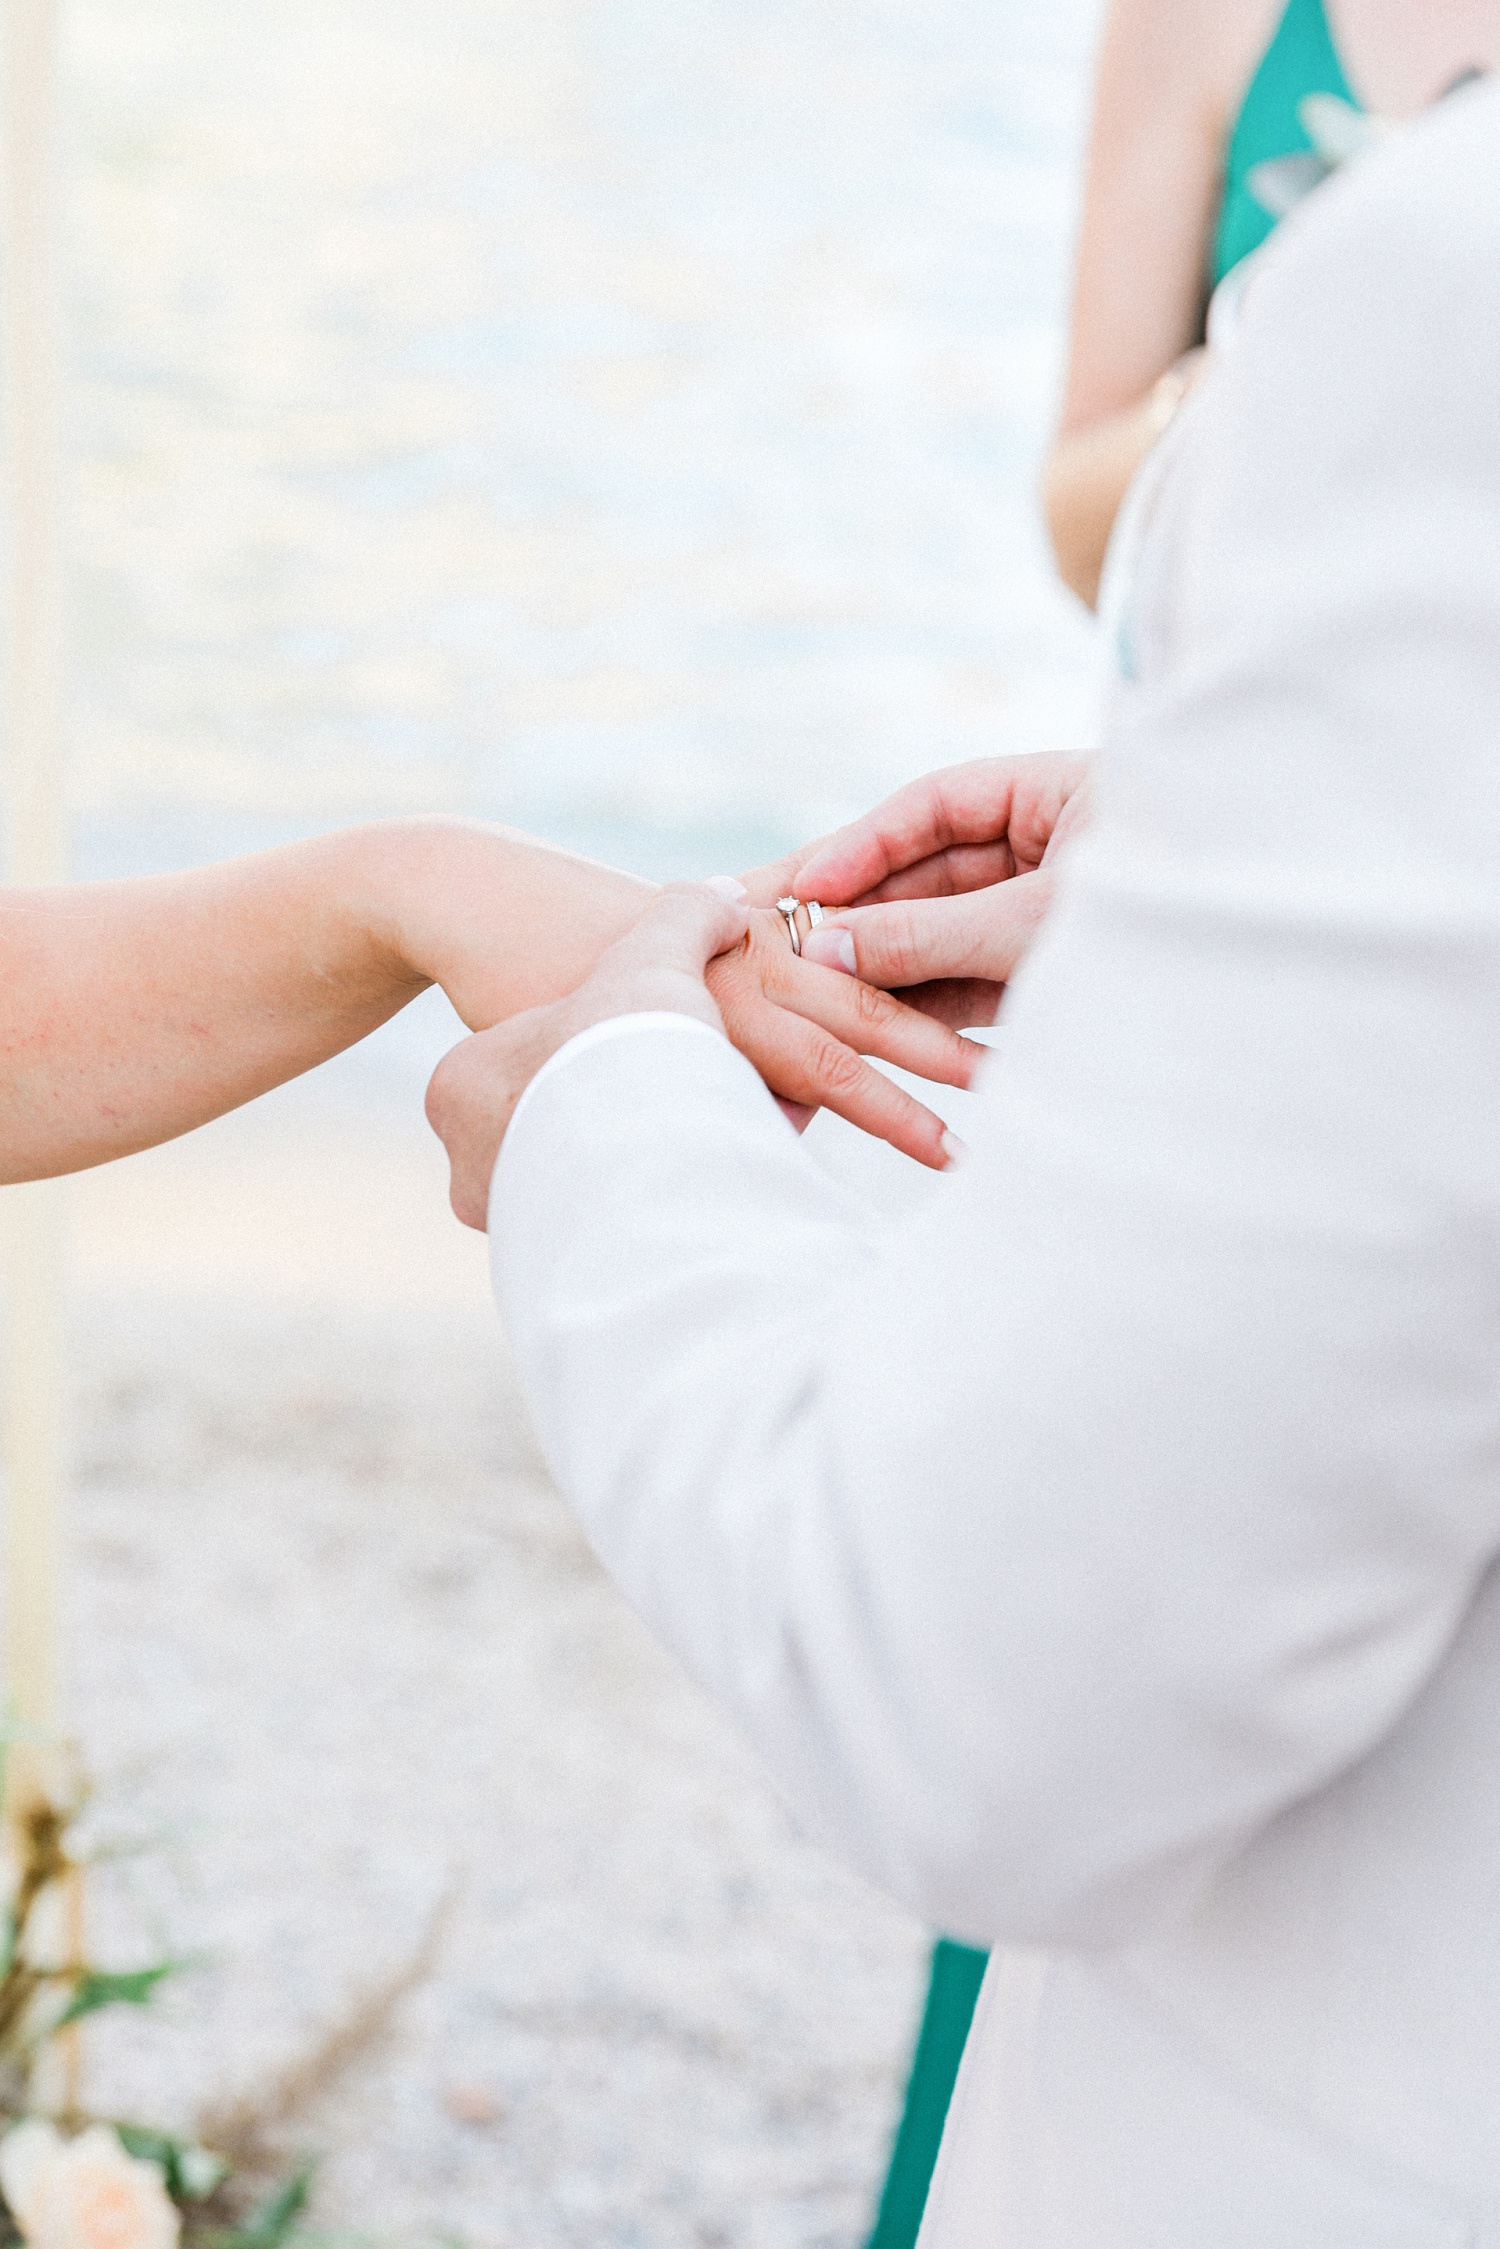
point(1170, 76)
point(1192, 57)
point(1402, 58)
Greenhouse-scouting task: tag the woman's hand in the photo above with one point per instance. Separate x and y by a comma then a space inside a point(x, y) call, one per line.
point(133, 1011)
point(504, 934)
point(805, 1026)
point(696, 951)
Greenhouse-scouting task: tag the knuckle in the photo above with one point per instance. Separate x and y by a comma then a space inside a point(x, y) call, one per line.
point(439, 1101)
point(766, 937)
point(875, 1009)
point(726, 974)
point(837, 1068)
point(899, 950)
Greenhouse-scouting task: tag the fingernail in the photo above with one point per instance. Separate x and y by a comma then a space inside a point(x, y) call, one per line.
point(953, 1148)
point(830, 948)
point(727, 886)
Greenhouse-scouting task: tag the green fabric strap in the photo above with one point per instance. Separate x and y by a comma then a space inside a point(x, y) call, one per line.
point(1301, 60)
point(952, 1991)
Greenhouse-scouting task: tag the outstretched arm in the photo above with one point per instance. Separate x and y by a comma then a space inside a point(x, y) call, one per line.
point(134, 1011)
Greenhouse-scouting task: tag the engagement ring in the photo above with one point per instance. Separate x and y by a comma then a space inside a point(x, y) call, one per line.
point(789, 908)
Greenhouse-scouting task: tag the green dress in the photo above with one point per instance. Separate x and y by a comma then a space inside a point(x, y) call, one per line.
point(1298, 121)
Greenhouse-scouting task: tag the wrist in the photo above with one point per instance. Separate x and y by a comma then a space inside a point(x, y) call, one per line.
point(1165, 398)
point(387, 876)
point(657, 990)
point(499, 920)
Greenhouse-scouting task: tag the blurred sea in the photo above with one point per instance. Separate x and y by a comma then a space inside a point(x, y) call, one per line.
point(620, 417)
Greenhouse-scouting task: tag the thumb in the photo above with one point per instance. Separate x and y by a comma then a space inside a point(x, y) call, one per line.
point(980, 933)
point(686, 924)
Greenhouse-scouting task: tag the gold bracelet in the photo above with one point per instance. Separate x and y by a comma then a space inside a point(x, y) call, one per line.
point(1165, 397)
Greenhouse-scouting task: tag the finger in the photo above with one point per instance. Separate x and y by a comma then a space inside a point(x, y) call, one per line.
point(982, 934)
point(1074, 816)
point(946, 874)
point(684, 927)
point(964, 1003)
point(803, 1063)
point(764, 885)
point(472, 1096)
point(872, 1022)
point(963, 804)
point(974, 866)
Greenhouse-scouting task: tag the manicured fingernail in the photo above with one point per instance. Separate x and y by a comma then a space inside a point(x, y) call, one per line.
point(953, 1148)
point(726, 886)
point(830, 948)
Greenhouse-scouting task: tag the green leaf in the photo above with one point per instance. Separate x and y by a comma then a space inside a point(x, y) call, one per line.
point(273, 2222)
point(95, 1989)
point(191, 2172)
point(148, 2147)
point(200, 2172)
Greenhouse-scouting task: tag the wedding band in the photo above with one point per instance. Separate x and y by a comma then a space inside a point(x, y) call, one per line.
point(814, 913)
point(787, 908)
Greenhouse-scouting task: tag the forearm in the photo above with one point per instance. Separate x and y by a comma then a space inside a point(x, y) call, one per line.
point(133, 1011)
point(1091, 469)
point(1087, 477)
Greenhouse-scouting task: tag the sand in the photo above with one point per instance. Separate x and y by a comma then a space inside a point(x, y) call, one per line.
point(336, 1640)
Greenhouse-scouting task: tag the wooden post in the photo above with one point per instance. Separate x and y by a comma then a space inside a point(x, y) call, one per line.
point(34, 798)
point(35, 818)
point(32, 1402)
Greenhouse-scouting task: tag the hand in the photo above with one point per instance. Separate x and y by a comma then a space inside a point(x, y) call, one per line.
point(948, 880)
point(791, 1018)
point(962, 828)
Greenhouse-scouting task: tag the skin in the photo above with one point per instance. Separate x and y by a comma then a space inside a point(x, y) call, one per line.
point(955, 874)
point(661, 963)
point(958, 871)
point(1171, 77)
point(134, 1011)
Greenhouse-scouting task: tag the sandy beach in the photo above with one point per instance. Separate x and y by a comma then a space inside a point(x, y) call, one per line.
point(335, 1639)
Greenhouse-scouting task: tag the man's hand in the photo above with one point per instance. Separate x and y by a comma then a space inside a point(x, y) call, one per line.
point(695, 951)
point(945, 883)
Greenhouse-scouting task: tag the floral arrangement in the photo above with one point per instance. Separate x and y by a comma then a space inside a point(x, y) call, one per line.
point(73, 2181)
point(90, 2192)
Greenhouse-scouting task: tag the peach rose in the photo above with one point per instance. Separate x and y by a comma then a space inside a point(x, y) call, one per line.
point(85, 2193)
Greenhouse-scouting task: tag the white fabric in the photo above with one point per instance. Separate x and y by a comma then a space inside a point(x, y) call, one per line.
point(1103, 1559)
point(600, 1034)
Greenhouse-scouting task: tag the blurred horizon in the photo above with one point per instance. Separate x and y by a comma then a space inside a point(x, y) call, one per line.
point(617, 419)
